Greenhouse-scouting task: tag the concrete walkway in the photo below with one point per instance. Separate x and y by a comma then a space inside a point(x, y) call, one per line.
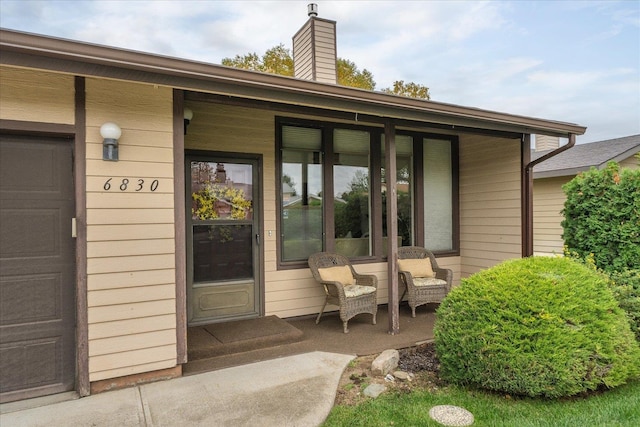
point(289, 391)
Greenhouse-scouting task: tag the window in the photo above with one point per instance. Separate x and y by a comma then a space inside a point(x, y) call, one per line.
point(301, 193)
point(351, 190)
point(333, 191)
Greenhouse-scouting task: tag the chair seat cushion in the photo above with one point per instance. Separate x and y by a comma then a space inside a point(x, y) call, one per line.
point(341, 273)
point(428, 281)
point(357, 290)
point(417, 267)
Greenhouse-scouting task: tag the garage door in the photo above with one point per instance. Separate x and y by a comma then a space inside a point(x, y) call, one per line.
point(37, 267)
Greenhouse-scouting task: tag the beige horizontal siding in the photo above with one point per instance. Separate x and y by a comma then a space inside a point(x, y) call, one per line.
point(129, 279)
point(36, 96)
point(96, 233)
point(130, 231)
point(136, 310)
point(490, 202)
point(133, 326)
point(548, 202)
point(132, 362)
point(125, 343)
point(631, 162)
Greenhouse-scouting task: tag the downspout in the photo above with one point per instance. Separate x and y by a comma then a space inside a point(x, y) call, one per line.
point(527, 192)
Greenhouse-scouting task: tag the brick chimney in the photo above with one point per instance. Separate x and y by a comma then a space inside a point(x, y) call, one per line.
point(544, 142)
point(314, 49)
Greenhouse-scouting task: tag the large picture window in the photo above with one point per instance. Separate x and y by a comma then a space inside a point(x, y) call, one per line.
point(333, 191)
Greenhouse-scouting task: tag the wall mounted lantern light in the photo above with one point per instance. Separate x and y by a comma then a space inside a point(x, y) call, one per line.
point(188, 115)
point(111, 133)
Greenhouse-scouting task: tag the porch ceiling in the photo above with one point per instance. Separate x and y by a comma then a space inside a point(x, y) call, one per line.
point(67, 56)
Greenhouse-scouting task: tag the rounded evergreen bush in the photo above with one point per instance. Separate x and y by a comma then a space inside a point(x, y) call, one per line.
point(537, 326)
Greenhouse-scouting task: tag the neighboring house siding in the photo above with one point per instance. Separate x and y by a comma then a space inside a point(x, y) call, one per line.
point(548, 202)
point(130, 235)
point(490, 202)
point(36, 96)
point(632, 162)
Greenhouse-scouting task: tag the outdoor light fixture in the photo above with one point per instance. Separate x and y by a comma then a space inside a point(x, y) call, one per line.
point(111, 133)
point(188, 115)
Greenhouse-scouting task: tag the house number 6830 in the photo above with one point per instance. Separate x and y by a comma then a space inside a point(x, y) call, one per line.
point(126, 184)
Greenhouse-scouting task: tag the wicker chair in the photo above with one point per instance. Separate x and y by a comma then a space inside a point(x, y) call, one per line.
point(423, 290)
point(353, 299)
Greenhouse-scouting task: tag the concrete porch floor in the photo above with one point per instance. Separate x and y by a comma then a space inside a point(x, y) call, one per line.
point(230, 344)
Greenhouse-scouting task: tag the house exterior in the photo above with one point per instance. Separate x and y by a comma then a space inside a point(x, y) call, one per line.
point(105, 263)
point(550, 175)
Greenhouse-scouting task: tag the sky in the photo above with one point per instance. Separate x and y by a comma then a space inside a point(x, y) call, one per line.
point(569, 61)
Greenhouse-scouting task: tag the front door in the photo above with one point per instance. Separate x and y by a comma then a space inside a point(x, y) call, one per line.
point(37, 267)
point(223, 238)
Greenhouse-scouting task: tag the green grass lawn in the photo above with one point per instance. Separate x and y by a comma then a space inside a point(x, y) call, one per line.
point(617, 407)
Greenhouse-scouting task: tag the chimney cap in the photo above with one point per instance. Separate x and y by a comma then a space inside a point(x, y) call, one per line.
point(312, 9)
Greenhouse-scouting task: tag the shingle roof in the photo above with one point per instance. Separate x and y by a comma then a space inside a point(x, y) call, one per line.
point(584, 156)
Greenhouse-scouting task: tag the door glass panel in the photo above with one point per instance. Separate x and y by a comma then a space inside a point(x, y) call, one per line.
point(221, 191)
point(222, 252)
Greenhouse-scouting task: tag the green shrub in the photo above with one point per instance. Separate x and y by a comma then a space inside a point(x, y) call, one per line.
point(537, 327)
point(625, 286)
point(602, 216)
point(626, 289)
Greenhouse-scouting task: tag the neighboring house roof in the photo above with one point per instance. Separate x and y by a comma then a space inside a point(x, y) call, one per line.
point(583, 157)
point(30, 50)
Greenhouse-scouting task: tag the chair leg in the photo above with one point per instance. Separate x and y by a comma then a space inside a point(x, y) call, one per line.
point(321, 311)
point(344, 326)
point(373, 322)
point(413, 311)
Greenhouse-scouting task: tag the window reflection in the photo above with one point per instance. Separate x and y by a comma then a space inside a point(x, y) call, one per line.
point(352, 206)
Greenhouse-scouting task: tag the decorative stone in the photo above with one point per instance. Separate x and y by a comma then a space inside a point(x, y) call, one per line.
point(402, 376)
point(385, 363)
point(450, 415)
point(374, 390)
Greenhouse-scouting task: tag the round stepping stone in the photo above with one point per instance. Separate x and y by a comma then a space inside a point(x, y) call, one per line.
point(450, 415)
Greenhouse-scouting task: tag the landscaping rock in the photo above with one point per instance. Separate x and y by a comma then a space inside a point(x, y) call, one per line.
point(402, 376)
point(385, 363)
point(374, 390)
point(450, 415)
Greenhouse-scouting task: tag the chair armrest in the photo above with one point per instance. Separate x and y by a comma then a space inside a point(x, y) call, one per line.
point(366, 280)
point(445, 274)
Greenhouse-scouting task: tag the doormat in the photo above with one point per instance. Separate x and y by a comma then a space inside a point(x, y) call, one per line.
point(240, 336)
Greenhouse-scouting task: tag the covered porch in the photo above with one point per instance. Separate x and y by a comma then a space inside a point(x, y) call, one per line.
point(276, 338)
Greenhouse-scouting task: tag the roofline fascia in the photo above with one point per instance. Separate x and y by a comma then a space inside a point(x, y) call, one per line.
point(315, 93)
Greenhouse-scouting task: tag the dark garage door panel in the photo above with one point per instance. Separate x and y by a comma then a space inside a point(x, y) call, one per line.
point(37, 268)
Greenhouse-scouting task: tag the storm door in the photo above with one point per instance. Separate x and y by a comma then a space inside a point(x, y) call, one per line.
point(223, 237)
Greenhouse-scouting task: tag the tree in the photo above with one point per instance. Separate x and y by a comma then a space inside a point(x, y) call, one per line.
point(411, 90)
point(350, 75)
point(278, 60)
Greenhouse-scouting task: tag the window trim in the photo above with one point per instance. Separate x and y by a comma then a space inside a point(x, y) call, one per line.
point(375, 167)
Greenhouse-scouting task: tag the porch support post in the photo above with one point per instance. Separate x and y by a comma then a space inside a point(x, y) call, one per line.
point(180, 221)
point(392, 225)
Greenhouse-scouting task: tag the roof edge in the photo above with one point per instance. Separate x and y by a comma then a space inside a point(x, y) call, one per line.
point(46, 46)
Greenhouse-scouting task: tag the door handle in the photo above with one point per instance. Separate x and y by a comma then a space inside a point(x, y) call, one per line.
point(258, 239)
